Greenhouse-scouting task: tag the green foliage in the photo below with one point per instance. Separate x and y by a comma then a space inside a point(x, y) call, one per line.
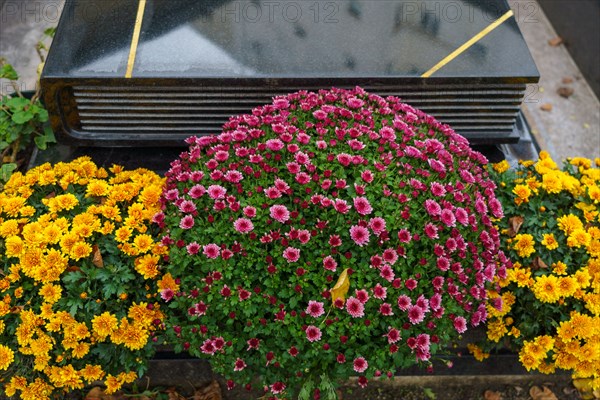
point(23, 120)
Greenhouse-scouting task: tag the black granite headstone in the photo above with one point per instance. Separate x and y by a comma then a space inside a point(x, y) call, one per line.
point(124, 72)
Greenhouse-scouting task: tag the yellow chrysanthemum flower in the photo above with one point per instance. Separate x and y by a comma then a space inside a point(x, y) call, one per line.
point(569, 223)
point(524, 245)
point(579, 238)
point(104, 325)
point(566, 331)
point(546, 289)
point(7, 357)
point(567, 286)
point(550, 241)
point(522, 192)
point(50, 293)
point(496, 330)
point(143, 243)
point(80, 250)
point(92, 373)
point(501, 167)
point(559, 268)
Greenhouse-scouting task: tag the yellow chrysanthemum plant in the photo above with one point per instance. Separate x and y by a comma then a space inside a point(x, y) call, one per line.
point(548, 307)
point(78, 260)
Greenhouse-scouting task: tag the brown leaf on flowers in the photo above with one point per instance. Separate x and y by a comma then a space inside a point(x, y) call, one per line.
point(72, 268)
point(492, 395)
point(541, 394)
point(16, 309)
point(212, 391)
point(97, 260)
point(341, 287)
point(514, 224)
point(50, 195)
point(539, 264)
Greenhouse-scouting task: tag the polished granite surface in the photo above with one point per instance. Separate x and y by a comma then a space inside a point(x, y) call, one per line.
point(279, 39)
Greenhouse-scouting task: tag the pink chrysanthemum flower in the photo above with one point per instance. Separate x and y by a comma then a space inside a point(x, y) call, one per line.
point(437, 189)
point(216, 192)
point(404, 235)
point(187, 206)
point(192, 248)
point(280, 213)
point(386, 309)
point(243, 225)
point(360, 365)
point(291, 254)
point(239, 365)
point(277, 387)
point(329, 264)
point(377, 225)
point(447, 217)
point(432, 207)
point(313, 334)
point(390, 256)
point(315, 309)
point(211, 250)
point(362, 206)
point(186, 222)
point(167, 294)
point(197, 191)
point(404, 302)
point(380, 292)
point(274, 144)
point(415, 314)
point(431, 231)
point(355, 308)
point(249, 211)
point(393, 335)
point(460, 324)
point(360, 235)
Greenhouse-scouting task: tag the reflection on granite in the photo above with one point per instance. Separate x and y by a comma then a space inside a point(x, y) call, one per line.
point(385, 38)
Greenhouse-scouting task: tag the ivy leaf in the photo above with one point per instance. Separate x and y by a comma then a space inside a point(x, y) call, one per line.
point(6, 171)
point(21, 117)
point(8, 72)
point(40, 142)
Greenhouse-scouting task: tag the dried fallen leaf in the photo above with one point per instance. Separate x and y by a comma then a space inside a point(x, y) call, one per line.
point(173, 395)
point(538, 263)
point(546, 107)
point(50, 195)
point(97, 260)
point(491, 395)
point(565, 91)
point(567, 80)
point(341, 287)
point(212, 391)
point(95, 394)
point(542, 394)
point(514, 224)
point(557, 41)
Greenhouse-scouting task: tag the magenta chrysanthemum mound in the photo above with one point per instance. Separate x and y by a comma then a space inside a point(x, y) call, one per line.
point(263, 218)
